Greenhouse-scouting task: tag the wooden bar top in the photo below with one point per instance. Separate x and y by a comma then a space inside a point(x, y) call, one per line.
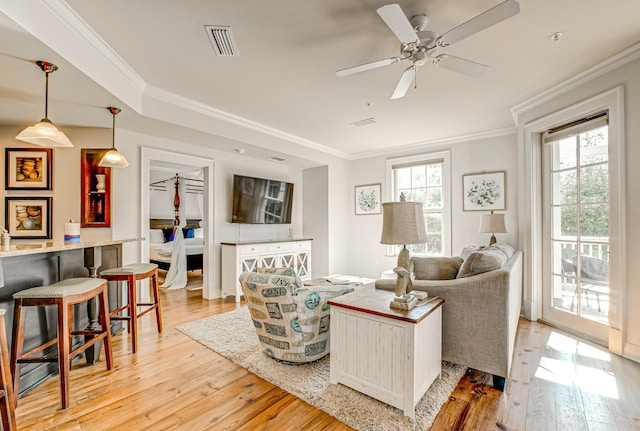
point(51, 246)
point(376, 301)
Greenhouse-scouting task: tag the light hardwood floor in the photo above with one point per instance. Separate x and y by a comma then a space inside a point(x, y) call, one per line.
point(174, 383)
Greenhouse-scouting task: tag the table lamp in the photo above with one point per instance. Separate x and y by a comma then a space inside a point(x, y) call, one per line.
point(492, 223)
point(402, 224)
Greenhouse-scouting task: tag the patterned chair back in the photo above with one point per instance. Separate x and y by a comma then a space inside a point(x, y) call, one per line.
point(292, 321)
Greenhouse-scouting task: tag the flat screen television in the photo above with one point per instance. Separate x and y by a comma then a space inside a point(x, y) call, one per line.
point(261, 201)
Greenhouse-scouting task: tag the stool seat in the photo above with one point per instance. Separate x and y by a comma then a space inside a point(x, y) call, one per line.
point(134, 268)
point(62, 289)
point(131, 274)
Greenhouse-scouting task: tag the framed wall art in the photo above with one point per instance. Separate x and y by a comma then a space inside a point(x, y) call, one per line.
point(28, 217)
point(28, 168)
point(484, 191)
point(368, 199)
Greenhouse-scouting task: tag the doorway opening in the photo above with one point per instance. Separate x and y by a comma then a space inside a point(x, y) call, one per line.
point(153, 159)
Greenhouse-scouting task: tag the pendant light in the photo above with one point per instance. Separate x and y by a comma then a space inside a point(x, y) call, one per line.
point(113, 159)
point(45, 133)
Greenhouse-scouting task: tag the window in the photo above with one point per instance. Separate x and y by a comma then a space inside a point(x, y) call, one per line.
point(425, 178)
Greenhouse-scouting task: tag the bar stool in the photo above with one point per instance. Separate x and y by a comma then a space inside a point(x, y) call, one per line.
point(7, 407)
point(63, 295)
point(131, 274)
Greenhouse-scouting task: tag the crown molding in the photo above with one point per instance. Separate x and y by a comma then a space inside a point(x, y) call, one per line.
point(620, 59)
point(185, 104)
point(391, 152)
point(79, 27)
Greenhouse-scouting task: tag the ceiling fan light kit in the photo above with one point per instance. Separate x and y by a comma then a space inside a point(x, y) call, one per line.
point(419, 45)
point(45, 133)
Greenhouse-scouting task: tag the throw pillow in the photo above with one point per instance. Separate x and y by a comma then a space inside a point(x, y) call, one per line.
point(436, 268)
point(505, 249)
point(470, 249)
point(481, 261)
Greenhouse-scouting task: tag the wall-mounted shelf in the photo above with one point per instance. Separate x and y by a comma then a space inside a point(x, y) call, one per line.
point(95, 189)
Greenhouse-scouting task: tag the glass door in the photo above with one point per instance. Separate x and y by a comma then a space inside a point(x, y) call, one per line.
point(576, 229)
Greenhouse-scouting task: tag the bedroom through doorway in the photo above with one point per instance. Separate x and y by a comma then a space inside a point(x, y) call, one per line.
point(176, 205)
point(195, 217)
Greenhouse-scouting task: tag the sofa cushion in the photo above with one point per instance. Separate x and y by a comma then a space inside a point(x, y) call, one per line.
point(470, 249)
point(436, 268)
point(486, 259)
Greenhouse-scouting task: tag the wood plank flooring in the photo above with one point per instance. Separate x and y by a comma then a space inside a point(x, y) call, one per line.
point(173, 383)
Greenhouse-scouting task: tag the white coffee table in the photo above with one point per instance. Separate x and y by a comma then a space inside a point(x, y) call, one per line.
point(342, 280)
point(391, 355)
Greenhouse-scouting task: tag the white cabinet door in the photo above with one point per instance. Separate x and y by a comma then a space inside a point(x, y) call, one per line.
point(303, 264)
point(249, 264)
point(269, 261)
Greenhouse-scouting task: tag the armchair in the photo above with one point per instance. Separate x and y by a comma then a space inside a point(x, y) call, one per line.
point(291, 320)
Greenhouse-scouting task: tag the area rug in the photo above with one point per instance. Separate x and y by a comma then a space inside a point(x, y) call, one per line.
point(232, 335)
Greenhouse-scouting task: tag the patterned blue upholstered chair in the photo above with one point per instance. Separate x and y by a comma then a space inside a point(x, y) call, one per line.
point(291, 320)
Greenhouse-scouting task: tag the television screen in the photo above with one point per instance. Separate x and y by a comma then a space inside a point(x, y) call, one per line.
point(258, 200)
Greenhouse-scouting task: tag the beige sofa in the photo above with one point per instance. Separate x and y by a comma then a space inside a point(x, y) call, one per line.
point(480, 316)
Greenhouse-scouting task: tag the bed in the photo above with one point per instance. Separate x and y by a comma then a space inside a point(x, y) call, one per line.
point(161, 241)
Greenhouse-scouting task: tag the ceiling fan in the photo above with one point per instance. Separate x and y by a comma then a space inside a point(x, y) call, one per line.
point(419, 45)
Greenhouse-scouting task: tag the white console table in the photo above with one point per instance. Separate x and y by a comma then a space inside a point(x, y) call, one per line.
point(391, 355)
point(238, 257)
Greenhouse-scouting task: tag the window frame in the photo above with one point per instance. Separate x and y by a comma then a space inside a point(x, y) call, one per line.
point(423, 159)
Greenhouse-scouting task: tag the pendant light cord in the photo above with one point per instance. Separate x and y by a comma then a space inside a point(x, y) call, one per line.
point(46, 95)
point(113, 136)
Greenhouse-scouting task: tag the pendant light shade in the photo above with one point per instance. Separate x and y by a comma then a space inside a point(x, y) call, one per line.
point(45, 133)
point(113, 158)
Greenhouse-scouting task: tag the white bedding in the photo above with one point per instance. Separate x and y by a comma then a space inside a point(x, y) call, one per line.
point(162, 252)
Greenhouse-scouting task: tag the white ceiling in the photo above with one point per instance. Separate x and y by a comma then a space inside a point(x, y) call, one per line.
point(154, 59)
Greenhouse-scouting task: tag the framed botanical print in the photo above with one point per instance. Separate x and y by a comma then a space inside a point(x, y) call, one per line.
point(484, 191)
point(368, 199)
point(28, 168)
point(28, 217)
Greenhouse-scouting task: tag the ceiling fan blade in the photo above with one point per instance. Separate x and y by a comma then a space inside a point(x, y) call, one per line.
point(460, 65)
point(486, 19)
point(405, 81)
point(397, 21)
point(367, 66)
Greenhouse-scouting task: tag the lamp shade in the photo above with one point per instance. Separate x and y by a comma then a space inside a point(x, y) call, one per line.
point(113, 159)
point(44, 134)
point(492, 223)
point(403, 223)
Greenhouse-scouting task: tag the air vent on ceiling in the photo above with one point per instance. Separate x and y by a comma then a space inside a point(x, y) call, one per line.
point(222, 40)
point(364, 122)
point(276, 159)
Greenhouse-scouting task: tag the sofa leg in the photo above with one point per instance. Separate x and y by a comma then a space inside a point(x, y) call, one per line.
point(499, 382)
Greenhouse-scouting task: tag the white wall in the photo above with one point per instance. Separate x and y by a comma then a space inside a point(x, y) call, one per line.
point(66, 178)
point(316, 216)
point(367, 257)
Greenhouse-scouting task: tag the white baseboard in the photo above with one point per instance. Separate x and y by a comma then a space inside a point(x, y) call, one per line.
point(632, 351)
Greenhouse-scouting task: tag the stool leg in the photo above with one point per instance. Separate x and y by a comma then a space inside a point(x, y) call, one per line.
point(103, 319)
point(132, 287)
point(7, 403)
point(65, 322)
point(16, 347)
point(156, 299)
